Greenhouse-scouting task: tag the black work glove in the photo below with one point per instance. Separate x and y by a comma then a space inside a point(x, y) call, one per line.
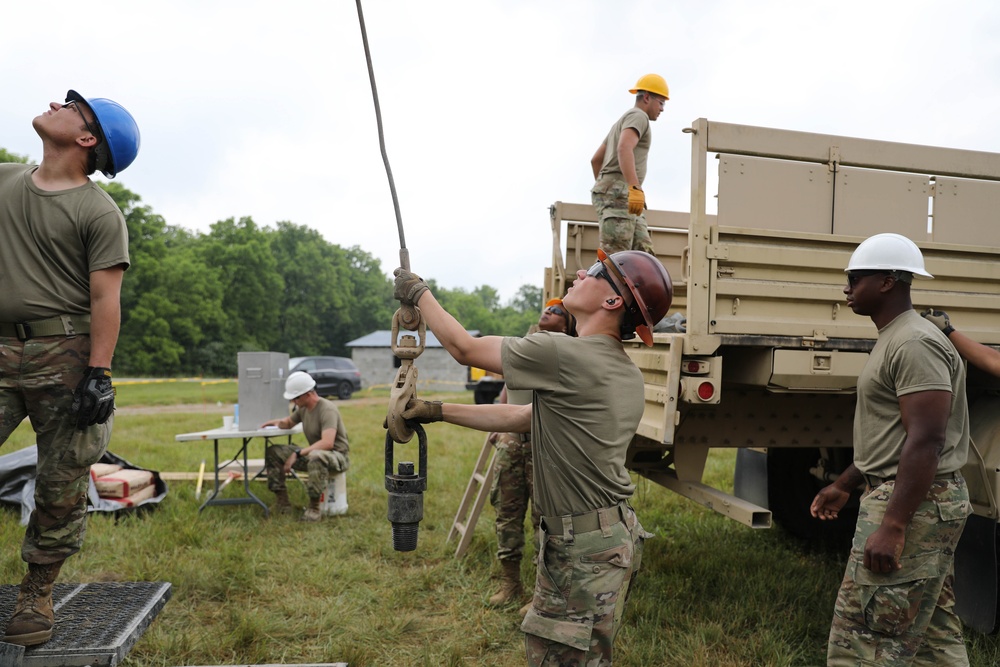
point(408, 287)
point(422, 412)
point(939, 318)
point(94, 398)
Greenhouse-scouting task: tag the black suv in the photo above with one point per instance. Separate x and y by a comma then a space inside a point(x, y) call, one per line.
point(335, 376)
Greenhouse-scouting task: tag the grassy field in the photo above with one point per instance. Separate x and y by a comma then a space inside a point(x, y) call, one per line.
point(249, 590)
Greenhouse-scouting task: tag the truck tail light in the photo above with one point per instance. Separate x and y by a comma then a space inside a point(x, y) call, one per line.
point(701, 380)
point(706, 390)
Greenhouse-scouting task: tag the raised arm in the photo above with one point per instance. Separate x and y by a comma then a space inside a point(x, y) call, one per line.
point(981, 356)
point(483, 352)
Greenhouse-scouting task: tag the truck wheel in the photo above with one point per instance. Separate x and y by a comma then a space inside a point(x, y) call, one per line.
point(485, 395)
point(790, 491)
point(344, 390)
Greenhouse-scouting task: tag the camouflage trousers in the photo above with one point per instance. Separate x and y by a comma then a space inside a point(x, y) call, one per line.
point(906, 617)
point(319, 464)
point(37, 380)
point(581, 586)
point(511, 493)
point(619, 230)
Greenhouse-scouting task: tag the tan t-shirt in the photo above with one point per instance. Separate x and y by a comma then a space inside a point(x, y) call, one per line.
point(637, 120)
point(588, 399)
point(324, 415)
point(911, 355)
point(50, 242)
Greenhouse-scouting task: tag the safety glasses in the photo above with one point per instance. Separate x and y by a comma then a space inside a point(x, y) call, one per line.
point(555, 310)
point(77, 108)
point(600, 270)
point(853, 277)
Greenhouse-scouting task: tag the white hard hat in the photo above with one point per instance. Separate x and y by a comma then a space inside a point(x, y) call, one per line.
point(888, 252)
point(298, 383)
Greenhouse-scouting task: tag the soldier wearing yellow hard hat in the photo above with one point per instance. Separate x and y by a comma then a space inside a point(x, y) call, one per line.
point(620, 168)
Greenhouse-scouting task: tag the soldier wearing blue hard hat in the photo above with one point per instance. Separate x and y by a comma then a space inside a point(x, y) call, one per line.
point(63, 254)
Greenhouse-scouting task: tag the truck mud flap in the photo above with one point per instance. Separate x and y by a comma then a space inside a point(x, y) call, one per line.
point(976, 586)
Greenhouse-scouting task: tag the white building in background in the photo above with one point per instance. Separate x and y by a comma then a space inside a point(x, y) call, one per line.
point(436, 370)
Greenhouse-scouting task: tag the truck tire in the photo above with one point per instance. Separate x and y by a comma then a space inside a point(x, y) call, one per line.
point(485, 395)
point(790, 491)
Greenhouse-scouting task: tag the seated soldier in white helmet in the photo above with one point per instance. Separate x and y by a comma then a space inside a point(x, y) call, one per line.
point(327, 451)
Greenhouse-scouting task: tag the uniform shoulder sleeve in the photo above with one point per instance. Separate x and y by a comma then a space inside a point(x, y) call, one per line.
point(921, 364)
point(531, 362)
point(637, 120)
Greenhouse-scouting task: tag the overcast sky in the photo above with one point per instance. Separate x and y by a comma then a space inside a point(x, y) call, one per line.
point(492, 109)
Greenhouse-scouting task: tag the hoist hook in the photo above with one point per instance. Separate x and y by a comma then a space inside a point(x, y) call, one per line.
point(406, 348)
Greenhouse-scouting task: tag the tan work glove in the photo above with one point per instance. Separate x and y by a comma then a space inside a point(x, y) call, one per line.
point(408, 287)
point(422, 412)
point(636, 200)
point(939, 318)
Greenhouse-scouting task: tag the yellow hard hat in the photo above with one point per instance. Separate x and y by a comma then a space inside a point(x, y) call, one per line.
point(652, 83)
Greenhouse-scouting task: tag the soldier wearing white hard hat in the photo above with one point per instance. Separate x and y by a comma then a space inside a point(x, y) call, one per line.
point(911, 439)
point(326, 454)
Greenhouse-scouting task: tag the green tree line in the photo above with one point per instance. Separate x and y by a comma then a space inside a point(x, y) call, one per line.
point(191, 301)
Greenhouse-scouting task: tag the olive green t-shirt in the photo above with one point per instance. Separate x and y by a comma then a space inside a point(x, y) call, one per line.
point(637, 120)
point(324, 415)
point(911, 355)
point(588, 400)
point(50, 242)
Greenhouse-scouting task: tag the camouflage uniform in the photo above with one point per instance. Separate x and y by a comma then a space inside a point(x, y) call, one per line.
point(318, 463)
point(37, 380)
point(510, 494)
point(619, 229)
point(906, 617)
point(587, 403)
point(580, 592)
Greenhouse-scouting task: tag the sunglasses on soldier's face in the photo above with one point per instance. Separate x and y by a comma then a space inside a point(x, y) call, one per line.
point(86, 123)
point(853, 277)
point(555, 310)
point(598, 270)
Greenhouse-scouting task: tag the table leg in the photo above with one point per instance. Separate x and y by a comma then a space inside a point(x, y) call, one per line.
point(215, 470)
point(246, 478)
point(250, 497)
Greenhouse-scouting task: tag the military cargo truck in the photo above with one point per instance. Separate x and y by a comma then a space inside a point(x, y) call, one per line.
point(771, 353)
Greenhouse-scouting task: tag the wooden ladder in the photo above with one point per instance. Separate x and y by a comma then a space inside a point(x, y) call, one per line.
point(474, 498)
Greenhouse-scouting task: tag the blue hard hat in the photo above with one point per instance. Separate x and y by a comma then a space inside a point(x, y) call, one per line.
point(121, 134)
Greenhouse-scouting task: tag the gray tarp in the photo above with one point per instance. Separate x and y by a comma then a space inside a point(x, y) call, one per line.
point(17, 483)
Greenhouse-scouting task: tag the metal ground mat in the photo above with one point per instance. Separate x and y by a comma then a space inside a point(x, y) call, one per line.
point(96, 624)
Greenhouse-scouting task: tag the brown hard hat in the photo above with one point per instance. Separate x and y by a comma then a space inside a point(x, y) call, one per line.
point(648, 281)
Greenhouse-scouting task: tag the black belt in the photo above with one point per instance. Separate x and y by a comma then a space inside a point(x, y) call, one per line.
point(64, 325)
point(874, 480)
point(588, 521)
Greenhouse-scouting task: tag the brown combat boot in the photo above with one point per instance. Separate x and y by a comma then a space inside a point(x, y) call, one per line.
point(33, 617)
point(312, 512)
point(281, 502)
point(510, 583)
